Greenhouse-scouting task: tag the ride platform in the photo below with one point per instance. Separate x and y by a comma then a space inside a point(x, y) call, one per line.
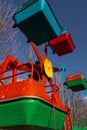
point(25, 103)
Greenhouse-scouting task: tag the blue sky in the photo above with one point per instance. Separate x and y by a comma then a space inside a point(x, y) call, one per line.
point(72, 15)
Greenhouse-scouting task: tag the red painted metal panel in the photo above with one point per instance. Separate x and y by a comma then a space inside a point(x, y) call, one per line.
point(74, 77)
point(63, 44)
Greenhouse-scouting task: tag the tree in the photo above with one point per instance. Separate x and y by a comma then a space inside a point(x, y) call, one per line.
point(6, 32)
point(78, 108)
point(10, 39)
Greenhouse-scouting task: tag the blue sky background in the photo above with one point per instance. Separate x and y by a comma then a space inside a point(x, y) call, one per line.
point(72, 15)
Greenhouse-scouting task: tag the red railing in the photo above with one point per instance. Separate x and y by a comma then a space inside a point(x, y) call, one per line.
point(19, 70)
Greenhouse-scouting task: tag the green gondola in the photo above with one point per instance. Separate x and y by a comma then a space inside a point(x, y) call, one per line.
point(77, 84)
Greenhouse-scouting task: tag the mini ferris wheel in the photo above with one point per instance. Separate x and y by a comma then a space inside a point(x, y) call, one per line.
point(26, 104)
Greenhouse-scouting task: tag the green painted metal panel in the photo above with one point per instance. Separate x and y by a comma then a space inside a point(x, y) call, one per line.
point(79, 129)
point(77, 85)
point(31, 112)
point(38, 22)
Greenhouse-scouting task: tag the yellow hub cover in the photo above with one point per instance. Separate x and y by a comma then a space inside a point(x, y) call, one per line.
point(48, 68)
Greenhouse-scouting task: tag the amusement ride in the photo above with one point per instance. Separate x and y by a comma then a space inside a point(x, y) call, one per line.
point(26, 104)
